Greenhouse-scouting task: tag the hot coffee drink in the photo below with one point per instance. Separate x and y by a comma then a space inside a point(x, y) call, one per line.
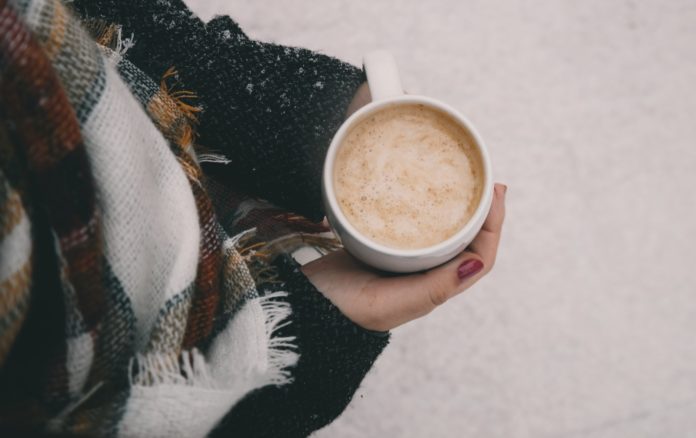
point(408, 176)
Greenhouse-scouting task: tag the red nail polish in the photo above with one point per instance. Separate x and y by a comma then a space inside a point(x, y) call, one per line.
point(469, 268)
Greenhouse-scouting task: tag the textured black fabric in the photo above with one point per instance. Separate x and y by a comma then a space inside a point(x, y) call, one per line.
point(271, 109)
point(335, 355)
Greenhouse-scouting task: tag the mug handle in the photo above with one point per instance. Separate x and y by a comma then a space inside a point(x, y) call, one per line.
point(382, 75)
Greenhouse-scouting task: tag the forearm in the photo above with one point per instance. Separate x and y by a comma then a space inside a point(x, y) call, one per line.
point(335, 355)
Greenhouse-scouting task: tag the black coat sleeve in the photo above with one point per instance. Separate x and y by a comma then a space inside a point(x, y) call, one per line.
point(335, 356)
point(272, 110)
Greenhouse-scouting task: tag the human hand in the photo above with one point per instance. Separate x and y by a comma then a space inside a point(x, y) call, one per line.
point(381, 302)
point(361, 98)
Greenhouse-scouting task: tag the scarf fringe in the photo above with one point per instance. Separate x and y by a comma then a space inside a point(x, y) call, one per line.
point(210, 157)
point(187, 369)
point(55, 424)
point(190, 368)
point(281, 354)
point(109, 35)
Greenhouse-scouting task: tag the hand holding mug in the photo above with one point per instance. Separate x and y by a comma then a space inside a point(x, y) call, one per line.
point(378, 301)
point(407, 187)
point(407, 180)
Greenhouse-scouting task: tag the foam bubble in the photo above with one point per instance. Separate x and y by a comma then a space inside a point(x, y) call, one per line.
point(409, 177)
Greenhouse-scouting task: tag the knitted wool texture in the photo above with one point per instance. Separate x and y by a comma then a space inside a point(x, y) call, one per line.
point(139, 288)
point(272, 110)
point(151, 323)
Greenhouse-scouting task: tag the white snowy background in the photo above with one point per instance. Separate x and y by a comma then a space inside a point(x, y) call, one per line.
point(587, 327)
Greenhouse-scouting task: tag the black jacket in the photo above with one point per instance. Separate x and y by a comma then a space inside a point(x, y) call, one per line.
point(272, 110)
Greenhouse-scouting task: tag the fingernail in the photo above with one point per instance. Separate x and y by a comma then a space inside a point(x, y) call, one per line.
point(469, 268)
point(504, 189)
point(501, 188)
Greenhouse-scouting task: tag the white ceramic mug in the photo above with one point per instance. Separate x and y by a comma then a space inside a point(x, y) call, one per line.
point(385, 87)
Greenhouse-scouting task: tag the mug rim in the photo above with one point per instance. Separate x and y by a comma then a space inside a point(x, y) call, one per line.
point(328, 184)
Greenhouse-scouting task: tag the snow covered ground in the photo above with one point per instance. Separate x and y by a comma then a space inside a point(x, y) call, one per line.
point(586, 327)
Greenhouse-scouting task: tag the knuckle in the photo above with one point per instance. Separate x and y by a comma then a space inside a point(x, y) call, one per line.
point(437, 298)
point(437, 293)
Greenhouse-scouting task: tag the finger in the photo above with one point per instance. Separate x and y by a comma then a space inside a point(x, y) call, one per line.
point(496, 215)
point(454, 277)
point(419, 294)
point(485, 244)
point(404, 298)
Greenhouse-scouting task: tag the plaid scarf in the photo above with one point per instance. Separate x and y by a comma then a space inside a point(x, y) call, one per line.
point(126, 307)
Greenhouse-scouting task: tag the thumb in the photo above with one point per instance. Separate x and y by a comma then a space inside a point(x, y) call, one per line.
point(412, 296)
point(452, 278)
point(404, 298)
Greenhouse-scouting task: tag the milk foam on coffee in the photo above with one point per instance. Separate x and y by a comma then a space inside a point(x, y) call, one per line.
point(408, 177)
